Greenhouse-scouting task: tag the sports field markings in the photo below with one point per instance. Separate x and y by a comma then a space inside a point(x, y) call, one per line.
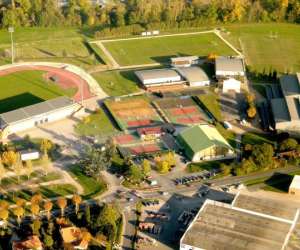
point(116, 65)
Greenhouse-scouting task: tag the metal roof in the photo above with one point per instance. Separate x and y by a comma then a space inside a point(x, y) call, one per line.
point(193, 74)
point(296, 182)
point(35, 110)
point(156, 74)
point(184, 58)
point(280, 110)
point(290, 85)
point(229, 64)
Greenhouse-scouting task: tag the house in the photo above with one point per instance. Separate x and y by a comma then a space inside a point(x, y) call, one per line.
point(73, 238)
point(294, 188)
point(30, 243)
point(41, 113)
point(251, 221)
point(195, 76)
point(185, 61)
point(231, 84)
point(286, 110)
point(229, 67)
point(158, 77)
point(204, 142)
point(150, 133)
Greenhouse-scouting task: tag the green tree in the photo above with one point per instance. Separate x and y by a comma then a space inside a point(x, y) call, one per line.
point(146, 166)
point(262, 155)
point(28, 168)
point(288, 144)
point(2, 172)
point(163, 167)
point(46, 145)
point(36, 226)
point(48, 241)
point(135, 174)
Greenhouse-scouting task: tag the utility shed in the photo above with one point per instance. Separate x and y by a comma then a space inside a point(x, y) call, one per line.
point(204, 142)
point(184, 61)
point(195, 76)
point(294, 188)
point(229, 66)
point(158, 77)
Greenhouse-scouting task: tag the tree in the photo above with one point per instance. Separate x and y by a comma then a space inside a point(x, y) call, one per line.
point(35, 210)
point(62, 203)
point(48, 241)
point(20, 202)
point(86, 235)
point(46, 145)
point(35, 226)
point(47, 164)
point(4, 214)
point(262, 155)
point(170, 158)
point(251, 112)
point(76, 200)
point(135, 174)
point(2, 171)
point(225, 169)
point(163, 167)
point(29, 168)
point(146, 166)
point(4, 204)
point(87, 214)
point(19, 212)
point(288, 144)
point(250, 98)
point(48, 205)
point(18, 167)
point(10, 158)
point(36, 199)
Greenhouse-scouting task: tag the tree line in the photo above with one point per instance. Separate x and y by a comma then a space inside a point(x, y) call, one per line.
point(146, 14)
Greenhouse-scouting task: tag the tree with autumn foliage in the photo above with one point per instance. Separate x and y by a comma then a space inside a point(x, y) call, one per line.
point(48, 205)
point(62, 203)
point(76, 200)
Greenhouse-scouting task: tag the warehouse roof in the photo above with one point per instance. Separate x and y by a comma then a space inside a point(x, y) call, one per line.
point(290, 85)
point(229, 64)
point(280, 110)
point(156, 73)
point(201, 137)
point(296, 182)
point(193, 74)
point(184, 58)
point(34, 110)
point(260, 220)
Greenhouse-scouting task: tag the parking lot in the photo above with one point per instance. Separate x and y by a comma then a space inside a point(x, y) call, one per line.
point(233, 106)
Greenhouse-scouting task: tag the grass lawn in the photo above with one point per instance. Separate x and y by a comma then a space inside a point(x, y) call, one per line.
point(96, 124)
point(160, 49)
point(256, 138)
point(229, 135)
point(25, 88)
point(263, 51)
point(210, 101)
point(208, 165)
point(117, 83)
point(91, 186)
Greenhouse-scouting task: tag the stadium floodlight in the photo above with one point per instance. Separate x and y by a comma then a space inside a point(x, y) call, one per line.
point(11, 30)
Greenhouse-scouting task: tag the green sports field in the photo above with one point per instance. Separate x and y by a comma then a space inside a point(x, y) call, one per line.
point(266, 46)
point(25, 88)
point(160, 49)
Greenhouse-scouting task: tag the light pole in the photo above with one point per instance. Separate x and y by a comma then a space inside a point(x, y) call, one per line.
point(11, 31)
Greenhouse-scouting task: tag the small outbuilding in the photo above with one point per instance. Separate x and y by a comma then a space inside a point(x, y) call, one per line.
point(158, 77)
point(294, 188)
point(231, 84)
point(195, 76)
point(204, 142)
point(184, 61)
point(229, 67)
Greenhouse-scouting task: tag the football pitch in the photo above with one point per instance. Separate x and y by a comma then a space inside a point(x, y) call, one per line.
point(25, 88)
point(160, 49)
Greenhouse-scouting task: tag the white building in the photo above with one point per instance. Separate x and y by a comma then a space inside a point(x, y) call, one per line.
point(158, 77)
point(185, 61)
point(195, 76)
point(294, 188)
point(231, 84)
point(31, 116)
point(229, 67)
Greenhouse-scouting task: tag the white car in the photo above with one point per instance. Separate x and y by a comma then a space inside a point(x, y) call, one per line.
point(227, 125)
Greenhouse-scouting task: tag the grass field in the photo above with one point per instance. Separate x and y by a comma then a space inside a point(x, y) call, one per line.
point(117, 83)
point(160, 49)
point(210, 101)
point(25, 88)
point(256, 138)
point(262, 51)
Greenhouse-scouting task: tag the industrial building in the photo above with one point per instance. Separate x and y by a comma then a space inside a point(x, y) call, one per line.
point(204, 142)
point(195, 76)
point(253, 221)
point(185, 61)
point(31, 116)
point(230, 85)
point(229, 67)
point(294, 188)
point(286, 110)
point(158, 77)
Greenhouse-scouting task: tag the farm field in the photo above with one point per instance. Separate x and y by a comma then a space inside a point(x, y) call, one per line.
point(182, 111)
point(25, 88)
point(160, 49)
point(133, 113)
point(117, 83)
point(268, 45)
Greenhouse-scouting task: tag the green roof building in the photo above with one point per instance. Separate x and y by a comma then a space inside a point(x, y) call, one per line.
point(204, 142)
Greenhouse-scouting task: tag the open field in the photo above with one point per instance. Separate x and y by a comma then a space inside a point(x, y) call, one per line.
point(183, 112)
point(25, 88)
point(256, 138)
point(269, 45)
point(160, 49)
point(117, 83)
point(211, 103)
point(134, 112)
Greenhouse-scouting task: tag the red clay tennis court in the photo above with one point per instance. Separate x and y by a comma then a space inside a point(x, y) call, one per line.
point(144, 149)
point(183, 111)
point(124, 139)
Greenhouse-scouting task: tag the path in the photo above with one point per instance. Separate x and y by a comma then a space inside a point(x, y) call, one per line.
point(112, 60)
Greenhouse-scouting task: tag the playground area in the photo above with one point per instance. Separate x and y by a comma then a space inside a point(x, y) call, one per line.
point(133, 113)
point(182, 111)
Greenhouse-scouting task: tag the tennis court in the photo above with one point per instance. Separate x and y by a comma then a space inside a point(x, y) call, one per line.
point(133, 113)
point(183, 111)
point(142, 149)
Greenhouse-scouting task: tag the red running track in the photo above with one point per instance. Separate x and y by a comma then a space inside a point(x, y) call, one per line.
point(65, 78)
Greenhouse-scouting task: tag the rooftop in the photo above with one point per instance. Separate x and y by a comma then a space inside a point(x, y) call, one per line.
point(280, 110)
point(34, 110)
point(184, 58)
point(229, 64)
point(32, 242)
point(156, 73)
point(296, 182)
point(193, 74)
point(290, 85)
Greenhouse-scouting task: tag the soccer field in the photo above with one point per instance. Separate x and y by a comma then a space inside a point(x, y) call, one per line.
point(266, 46)
point(160, 49)
point(25, 88)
